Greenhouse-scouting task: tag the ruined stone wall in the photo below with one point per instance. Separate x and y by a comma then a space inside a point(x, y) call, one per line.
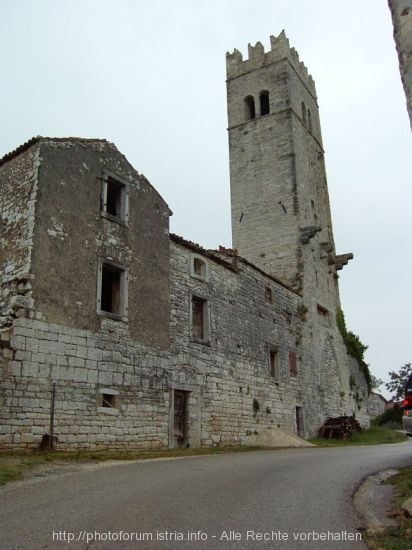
point(53, 235)
point(72, 235)
point(231, 369)
point(402, 31)
point(18, 194)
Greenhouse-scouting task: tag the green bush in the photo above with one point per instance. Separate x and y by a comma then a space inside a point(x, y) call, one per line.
point(390, 417)
point(354, 347)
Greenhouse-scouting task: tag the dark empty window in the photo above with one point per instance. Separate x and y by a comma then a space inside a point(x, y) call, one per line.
point(250, 110)
point(264, 103)
point(114, 198)
point(108, 400)
point(268, 294)
point(111, 287)
point(310, 121)
point(322, 310)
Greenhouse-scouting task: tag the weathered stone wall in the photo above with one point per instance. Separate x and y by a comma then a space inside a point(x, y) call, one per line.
point(402, 31)
point(231, 370)
point(72, 234)
point(376, 405)
point(263, 180)
point(53, 234)
point(18, 195)
point(84, 365)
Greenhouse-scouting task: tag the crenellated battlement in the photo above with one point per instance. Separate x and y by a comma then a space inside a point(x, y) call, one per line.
point(279, 49)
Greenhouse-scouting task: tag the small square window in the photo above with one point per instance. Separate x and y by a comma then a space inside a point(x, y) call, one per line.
point(108, 400)
point(200, 324)
point(112, 290)
point(115, 204)
point(198, 268)
point(323, 315)
point(322, 311)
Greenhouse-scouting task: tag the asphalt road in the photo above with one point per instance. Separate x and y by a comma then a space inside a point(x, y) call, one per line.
point(220, 501)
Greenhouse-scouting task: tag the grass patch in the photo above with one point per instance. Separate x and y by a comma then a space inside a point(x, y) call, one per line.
point(400, 537)
point(10, 472)
point(376, 435)
point(16, 465)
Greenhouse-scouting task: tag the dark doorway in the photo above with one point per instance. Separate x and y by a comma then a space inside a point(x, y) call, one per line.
point(180, 418)
point(299, 421)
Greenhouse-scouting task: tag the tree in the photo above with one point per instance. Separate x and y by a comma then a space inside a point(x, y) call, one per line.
point(376, 382)
point(398, 381)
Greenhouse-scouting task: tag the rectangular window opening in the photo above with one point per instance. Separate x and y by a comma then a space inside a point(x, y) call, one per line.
point(293, 368)
point(108, 400)
point(274, 367)
point(111, 286)
point(200, 329)
point(198, 321)
point(114, 198)
point(268, 295)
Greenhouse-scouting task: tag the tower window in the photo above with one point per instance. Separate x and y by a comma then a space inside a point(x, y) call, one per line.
point(264, 103)
point(304, 114)
point(268, 295)
point(310, 121)
point(250, 110)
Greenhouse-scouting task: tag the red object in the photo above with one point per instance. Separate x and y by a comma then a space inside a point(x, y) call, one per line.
point(407, 402)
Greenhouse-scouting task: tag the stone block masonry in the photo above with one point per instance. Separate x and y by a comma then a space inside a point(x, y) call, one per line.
point(85, 367)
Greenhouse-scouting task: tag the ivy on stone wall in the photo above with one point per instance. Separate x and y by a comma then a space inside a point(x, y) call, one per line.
point(354, 347)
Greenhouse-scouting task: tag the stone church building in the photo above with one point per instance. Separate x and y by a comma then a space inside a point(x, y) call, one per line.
point(147, 340)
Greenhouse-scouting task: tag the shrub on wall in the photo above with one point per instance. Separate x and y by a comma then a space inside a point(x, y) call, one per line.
point(354, 347)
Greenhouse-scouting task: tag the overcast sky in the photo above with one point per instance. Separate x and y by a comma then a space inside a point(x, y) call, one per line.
point(149, 75)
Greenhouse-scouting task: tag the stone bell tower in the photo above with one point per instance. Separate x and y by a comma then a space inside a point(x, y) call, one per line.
point(281, 219)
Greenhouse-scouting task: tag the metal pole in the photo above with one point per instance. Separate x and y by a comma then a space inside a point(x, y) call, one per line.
point(51, 430)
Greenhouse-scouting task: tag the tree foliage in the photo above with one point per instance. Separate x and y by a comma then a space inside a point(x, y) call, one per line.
point(354, 347)
point(398, 381)
point(376, 382)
